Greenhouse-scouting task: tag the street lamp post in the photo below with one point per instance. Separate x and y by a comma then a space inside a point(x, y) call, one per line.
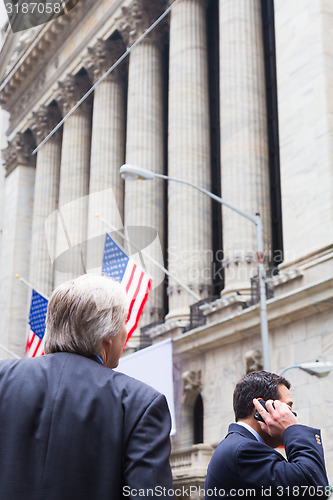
point(133, 172)
point(318, 368)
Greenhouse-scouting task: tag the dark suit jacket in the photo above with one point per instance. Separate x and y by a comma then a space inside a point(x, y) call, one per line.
point(240, 462)
point(72, 429)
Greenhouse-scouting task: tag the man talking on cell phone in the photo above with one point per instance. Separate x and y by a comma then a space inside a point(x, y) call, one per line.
point(245, 464)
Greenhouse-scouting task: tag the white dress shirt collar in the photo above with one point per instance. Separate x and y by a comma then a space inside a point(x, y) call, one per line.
point(249, 428)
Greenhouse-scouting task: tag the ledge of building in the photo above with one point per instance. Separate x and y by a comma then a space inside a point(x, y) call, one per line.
point(284, 309)
point(191, 463)
point(309, 260)
point(303, 271)
point(169, 329)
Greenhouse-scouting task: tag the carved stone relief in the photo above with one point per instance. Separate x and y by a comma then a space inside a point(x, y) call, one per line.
point(18, 152)
point(102, 56)
point(192, 383)
point(254, 361)
point(71, 91)
point(43, 121)
point(138, 17)
point(22, 105)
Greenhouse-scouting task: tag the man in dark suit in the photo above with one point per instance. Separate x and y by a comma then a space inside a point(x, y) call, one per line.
point(245, 464)
point(71, 428)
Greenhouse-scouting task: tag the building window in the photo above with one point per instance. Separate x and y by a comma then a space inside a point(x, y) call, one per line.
point(198, 420)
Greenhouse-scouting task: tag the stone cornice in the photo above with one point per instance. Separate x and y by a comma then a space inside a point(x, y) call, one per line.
point(40, 84)
point(196, 287)
point(19, 152)
point(168, 329)
point(36, 50)
point(310, 259)
point(293, 306)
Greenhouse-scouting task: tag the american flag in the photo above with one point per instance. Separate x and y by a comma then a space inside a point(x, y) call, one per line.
point(35, 341)
point(137, 282)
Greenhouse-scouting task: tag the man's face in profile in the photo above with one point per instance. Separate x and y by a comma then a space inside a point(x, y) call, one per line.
point(115, 347)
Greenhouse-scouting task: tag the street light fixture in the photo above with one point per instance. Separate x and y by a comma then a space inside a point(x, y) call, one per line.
point(317, 368)
point(132, 172)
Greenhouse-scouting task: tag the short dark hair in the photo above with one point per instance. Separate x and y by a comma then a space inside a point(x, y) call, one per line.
point(259, 384)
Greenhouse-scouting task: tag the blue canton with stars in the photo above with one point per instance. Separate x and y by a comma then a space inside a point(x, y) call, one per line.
point(114, 261)
point(37, 314)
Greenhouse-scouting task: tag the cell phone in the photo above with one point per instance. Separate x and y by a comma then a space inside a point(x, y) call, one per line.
point(257, 415)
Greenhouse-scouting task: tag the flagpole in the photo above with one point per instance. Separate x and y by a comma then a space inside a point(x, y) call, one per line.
point(114, 66)
point(191, 292)
point(17, 276)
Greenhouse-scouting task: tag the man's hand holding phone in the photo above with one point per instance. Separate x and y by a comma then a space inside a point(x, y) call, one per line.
point(277, 417)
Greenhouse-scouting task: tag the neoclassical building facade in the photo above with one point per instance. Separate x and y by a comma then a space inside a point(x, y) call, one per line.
point(234, 96)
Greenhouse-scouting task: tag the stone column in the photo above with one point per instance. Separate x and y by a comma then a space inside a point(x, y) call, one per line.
point(74, 180)
point(144, 201)
point(15, 255)
point(2, 197)
point(4, 118)
point(189, 211)
point(107, 147)
point(244, 144)
point(45, 198)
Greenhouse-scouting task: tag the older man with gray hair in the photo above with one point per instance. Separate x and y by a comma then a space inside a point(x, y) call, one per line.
point(71, 427)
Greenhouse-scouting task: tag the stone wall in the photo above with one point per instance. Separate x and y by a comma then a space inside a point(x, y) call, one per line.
point(304, 46)
point(300, 331)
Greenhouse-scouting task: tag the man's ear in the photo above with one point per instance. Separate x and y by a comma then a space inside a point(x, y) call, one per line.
point(254, 408)
point(106, 343)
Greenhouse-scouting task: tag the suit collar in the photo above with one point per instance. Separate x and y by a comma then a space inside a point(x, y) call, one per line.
point(239, 429)
point(254, 432)
point(96, 358)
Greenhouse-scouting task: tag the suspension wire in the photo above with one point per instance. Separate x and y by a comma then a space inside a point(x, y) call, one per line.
point(114, 66)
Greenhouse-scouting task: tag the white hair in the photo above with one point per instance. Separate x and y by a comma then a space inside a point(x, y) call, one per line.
point(82, 313)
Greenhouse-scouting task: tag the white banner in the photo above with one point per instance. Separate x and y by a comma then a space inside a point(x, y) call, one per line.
point(153, 366)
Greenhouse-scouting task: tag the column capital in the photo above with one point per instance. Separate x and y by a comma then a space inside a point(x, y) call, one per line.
point(43, 121)
point(70, 92)
point(138, 17)
point(18, 152)
point(102, 56)
point(202, 2)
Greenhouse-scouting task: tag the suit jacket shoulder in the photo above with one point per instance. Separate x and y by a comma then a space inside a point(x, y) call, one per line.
point(240, 462)
point(74, 429)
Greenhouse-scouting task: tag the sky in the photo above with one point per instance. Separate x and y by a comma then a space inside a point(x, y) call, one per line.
point(3, 15)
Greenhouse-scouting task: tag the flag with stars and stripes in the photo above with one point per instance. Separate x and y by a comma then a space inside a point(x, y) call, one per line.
point(35, 341)
point(120, 267)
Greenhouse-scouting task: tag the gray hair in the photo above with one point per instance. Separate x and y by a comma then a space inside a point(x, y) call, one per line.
point(82, 313)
